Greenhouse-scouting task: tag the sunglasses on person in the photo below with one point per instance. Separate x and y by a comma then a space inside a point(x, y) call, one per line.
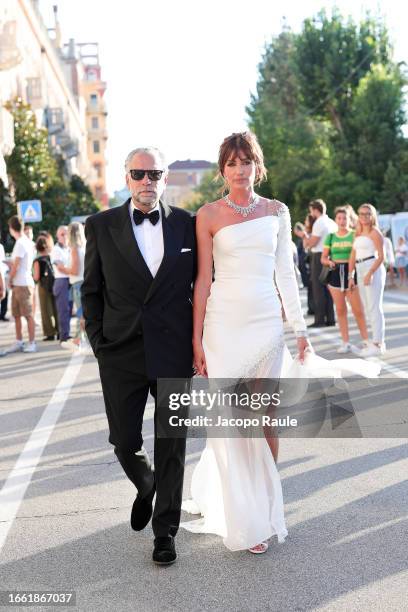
point(154, 175)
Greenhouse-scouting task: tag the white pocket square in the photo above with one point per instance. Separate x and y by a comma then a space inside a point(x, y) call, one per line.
point(185, 250)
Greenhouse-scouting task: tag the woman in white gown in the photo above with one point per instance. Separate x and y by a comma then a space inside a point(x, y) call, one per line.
point(238, 332)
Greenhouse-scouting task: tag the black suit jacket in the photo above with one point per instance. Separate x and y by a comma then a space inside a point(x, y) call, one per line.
point(134, 321)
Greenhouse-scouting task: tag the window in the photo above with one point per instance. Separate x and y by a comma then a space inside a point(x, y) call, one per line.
point(98, 169)
point(95, 123)
point(33, 89)
point(96, 146)
point(94, 100)
point(99, 193)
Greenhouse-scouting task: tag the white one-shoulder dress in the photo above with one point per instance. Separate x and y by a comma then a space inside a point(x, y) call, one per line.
point(235, 486)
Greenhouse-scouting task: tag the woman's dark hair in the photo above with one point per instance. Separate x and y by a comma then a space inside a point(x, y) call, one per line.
point(41, 244)
point(319, 205)
point(309, 223)
point(16, 224)
point(249, 145)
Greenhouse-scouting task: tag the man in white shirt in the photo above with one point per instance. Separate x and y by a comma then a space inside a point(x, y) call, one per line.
point(60, 254)
point(22, 284)
point(139, 267)
point(323, 225)
point(389, 259)
point(3, 284)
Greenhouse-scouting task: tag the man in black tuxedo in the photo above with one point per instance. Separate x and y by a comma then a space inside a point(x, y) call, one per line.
point(136, 295)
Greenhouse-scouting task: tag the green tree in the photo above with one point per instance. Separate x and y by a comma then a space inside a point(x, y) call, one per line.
point(36, 174)
point(295, 145)
point(30, 165)
point(209, 190)
point(328, 113)
point(394, 196)
point(332, 55)
point(374, 127)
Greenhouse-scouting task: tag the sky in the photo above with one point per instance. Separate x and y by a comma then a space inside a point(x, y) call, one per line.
point(180, 73)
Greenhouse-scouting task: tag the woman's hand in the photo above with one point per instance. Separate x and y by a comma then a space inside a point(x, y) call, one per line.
point(332, 264)
point(368, 278)
point(200, 365)
point(303, 344)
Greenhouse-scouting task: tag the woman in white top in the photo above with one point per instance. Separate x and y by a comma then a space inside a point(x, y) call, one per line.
point(75, 270)
point(401, 260)
point(367, 257)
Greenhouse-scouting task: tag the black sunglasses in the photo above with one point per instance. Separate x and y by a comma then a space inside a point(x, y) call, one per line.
point(154, 175)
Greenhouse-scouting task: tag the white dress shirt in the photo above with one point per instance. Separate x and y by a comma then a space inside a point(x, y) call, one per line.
point(321, 227)
point(149, 238)
point(62, 255)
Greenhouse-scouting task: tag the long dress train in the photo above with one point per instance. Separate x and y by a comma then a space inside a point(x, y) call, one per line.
point(236, 486)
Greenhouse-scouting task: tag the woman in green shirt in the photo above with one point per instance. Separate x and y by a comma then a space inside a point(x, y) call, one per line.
point(336, 253)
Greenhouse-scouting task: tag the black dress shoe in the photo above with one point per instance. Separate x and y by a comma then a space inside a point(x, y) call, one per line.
point(48, 338)
point(142, 510)
point(164, 552)
point(316, 325)
point(331, 324)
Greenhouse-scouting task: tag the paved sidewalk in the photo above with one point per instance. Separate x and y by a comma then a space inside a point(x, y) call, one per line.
point(345, 501)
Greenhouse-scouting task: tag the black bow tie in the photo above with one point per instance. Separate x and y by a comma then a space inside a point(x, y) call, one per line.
point(139, 216)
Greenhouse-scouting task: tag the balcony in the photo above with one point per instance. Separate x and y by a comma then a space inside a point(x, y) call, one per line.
point(34, 93)
point(98, 133)
point(96, 107)
point(67, 145)
point(54, 120)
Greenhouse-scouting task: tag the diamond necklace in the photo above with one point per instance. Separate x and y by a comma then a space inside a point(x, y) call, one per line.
point(243, 210)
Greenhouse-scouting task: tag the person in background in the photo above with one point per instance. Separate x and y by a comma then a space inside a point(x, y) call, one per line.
point(43, 274)
point(336, 254)
point(22, 284)
point(60, 255)
point(304, 265)
point(367, 256)
point(75, 269)
point(401, 260)
point(389, 259)
point(29, 232)
point(352, 215)
point(323, 225)
point(2, 277)
point(3, 274)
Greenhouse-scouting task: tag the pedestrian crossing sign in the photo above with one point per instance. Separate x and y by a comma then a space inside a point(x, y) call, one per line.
point(30, 211)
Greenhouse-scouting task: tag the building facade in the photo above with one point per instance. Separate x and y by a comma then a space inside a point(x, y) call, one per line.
point(54, 81)
point(184, 176)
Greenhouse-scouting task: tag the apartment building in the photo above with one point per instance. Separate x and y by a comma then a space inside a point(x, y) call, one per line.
point(184, 176)
point(61, 83)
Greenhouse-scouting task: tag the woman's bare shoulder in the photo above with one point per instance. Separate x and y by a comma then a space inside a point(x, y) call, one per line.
point(377, 232)
point(209, 210)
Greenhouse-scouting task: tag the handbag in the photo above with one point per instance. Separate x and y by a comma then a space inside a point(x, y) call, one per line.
point(324, 276)
point(47, 278)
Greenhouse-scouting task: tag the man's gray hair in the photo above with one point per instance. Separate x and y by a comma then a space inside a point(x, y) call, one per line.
point(148, 150)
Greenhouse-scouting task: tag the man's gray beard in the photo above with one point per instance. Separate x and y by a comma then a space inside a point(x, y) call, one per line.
point(146, 205)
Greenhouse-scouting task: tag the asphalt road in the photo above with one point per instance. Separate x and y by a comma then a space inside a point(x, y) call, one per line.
point(65, 504)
